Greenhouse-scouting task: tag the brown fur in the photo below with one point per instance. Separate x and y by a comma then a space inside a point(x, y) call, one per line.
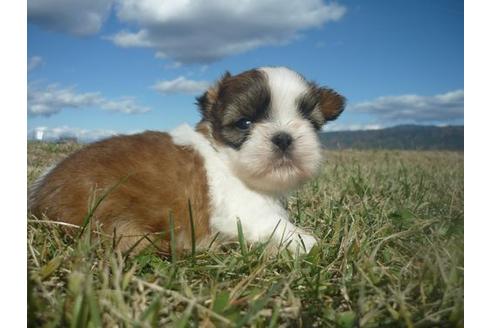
point(149, 177)
point(331, 103)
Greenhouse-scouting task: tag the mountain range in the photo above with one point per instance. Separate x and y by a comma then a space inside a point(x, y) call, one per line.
point(405, 137)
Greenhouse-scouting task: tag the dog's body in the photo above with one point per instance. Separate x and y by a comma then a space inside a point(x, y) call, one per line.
point(256, 141)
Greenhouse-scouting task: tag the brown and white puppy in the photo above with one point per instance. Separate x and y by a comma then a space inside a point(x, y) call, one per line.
point(257, 140)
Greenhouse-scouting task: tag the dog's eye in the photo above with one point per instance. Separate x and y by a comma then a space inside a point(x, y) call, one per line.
point(243, 124)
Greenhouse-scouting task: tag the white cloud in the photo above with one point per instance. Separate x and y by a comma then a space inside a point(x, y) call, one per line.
point(446, 107)
point(125, 105)
point(335, 126)
point(180, 85)
point(127, 39)
point(189, 31)
point(51, 99)
point(172, 65)
point(81, 18)
point(34, 62)
point(204, 31)
point(84, 135)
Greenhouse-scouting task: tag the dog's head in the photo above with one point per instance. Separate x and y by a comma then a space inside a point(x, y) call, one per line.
point(265, 122)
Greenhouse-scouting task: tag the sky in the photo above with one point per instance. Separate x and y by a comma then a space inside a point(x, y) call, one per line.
point(102, 67)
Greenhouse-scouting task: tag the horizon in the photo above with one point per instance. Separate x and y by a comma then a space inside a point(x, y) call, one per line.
point(124, 67)
point(37, 135)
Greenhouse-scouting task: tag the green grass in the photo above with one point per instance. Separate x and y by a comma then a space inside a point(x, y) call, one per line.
point(391, 255)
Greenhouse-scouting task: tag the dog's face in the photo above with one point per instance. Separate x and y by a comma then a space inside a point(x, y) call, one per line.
point(265, 122)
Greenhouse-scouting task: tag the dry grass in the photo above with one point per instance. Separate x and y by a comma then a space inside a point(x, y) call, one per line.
point(391, 254)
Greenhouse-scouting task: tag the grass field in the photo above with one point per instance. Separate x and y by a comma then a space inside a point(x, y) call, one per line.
point(391, 255)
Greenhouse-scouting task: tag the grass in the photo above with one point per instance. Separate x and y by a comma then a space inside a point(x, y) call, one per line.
point(391, 255)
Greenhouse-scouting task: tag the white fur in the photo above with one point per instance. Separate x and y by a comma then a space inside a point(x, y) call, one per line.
point(285, 86)
point(259, 166)
point(231, 199)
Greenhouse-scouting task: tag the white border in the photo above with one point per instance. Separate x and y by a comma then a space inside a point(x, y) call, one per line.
point(478, 162)
point(13, 84)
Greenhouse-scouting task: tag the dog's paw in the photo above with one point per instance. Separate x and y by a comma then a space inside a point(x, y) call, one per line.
point(301, 243)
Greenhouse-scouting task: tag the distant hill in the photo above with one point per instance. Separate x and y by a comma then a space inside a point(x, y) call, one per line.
point(411, 137)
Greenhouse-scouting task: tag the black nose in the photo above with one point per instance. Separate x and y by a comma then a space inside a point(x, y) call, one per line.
point(282, 140)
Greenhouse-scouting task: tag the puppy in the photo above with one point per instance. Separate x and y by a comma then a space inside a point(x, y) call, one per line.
point(257, 140)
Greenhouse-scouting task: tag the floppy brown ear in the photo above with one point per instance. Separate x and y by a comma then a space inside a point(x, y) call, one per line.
point(206, 101)
point(330, 103)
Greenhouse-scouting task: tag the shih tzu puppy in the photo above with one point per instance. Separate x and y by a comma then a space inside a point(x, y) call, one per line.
point(257, 140)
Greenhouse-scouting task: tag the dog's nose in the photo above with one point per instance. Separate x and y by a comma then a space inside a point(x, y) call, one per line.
point(282, 140)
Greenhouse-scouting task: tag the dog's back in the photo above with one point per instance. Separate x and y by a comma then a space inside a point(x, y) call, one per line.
point(143, 178)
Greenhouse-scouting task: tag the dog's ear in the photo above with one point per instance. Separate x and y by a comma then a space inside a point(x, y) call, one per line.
point(330, 103)
point(208, 99)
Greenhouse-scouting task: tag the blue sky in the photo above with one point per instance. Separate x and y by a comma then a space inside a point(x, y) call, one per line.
point(97, 67)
